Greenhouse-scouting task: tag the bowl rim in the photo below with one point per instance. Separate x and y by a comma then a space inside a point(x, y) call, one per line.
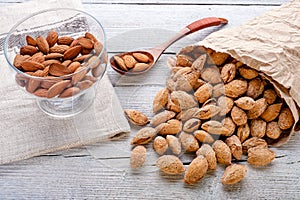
point(103, 51)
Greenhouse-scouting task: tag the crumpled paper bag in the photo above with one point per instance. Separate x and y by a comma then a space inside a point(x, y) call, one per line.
point(270, 44)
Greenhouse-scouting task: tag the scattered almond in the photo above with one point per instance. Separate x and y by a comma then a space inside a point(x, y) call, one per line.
point(170, 164)
point(138, 157)
point(136, 117)
point(233, 174)
point(196, 170)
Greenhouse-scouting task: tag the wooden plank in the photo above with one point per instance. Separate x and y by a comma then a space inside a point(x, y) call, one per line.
point(189, 2)
point(75, 174)
point(175, 17)
point(169, 2)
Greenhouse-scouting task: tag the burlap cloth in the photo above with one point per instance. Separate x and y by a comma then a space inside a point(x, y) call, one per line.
point(25, 131)
point(269, 43)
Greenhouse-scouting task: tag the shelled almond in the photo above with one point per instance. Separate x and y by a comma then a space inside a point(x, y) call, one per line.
point(136, 61)
point(62, 59)
point(223, 109)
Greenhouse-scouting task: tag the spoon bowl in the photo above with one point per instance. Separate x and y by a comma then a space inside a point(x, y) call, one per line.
point(140, 61)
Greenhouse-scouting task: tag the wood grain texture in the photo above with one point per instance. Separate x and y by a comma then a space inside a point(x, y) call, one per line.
point(101, 171)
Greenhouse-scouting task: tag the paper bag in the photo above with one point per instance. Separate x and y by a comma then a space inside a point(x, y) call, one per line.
point(270, 44)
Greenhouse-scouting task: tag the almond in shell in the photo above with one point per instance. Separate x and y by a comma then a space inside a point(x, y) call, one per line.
point(271, 112)
point(160, 145)
point(170, 164)
point(258, 108)
point(234, 174)
point(196, 170)
point(215, 127)
point(136, 117)
point(218, 58)
point(228, 72)
point(235, 88)
point(235, 146)
point(211, 75)
point(273, 131)
point(260, 156)
point(229, 124)
point(238, 116)
point(160, 100)
point(184, 60)
point(203, 93)
point(286, 119)
point(138, 156)
point(222, 151)
point(270, 95)
point(210, 155)
point(253, 142)
point(198, 64)
point(183, 100)
point(143, 136)
point(191, 125)
point(218, 90)
point(174, 144)
point(208, 112)
point(258, 128)
point(188, 142)
point(255, 88)
point(203, 136)
point(243, 132)
point(248, 73)
point(245, 103)
point(172, 126)
point(225, 104)
point(162, 117)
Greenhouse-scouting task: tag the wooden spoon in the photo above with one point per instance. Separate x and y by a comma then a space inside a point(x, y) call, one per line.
point(154, 53)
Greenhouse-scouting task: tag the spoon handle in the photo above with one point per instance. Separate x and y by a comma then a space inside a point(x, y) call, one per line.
point(191, 28)
point(204, 23)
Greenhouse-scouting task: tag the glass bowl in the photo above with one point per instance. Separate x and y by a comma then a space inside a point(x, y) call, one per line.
point(58, 56)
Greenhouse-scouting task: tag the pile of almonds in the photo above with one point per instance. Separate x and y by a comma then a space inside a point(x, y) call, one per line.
point(60, 62)
point(135, 62)
point(217, 108)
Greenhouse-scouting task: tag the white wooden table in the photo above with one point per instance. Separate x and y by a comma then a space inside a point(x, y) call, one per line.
point(102, 171)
